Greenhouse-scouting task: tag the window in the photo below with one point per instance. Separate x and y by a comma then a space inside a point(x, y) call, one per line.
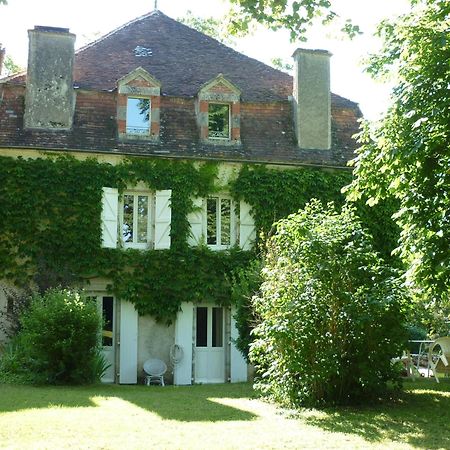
point(220, 222)
point(135, 219)
point(138, 116)
point(138, 218)
point(218, 121)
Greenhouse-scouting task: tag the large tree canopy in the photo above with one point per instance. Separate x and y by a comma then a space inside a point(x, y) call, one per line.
point(294, 16)
point(407, 153)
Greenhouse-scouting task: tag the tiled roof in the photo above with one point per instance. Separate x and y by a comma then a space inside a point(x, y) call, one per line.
point(183, 60)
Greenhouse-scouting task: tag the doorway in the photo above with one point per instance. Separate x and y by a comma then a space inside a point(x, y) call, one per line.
point(106, 306)
point(209, 359)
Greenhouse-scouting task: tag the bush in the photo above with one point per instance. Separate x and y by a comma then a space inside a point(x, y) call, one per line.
point(58, 341)
point(331, 312)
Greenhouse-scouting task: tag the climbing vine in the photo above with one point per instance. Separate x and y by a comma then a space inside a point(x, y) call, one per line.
point(50, 225)
point(274, 194)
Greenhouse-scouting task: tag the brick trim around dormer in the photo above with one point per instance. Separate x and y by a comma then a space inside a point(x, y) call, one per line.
point(219, 90)
point(138, 83)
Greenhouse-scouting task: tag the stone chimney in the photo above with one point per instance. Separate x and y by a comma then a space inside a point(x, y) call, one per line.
point(312, 103)
point(50, 98)
point(2, 57)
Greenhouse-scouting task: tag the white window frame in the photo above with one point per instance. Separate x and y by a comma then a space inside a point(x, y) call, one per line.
point(149, 130)
point(150, 218)
point(234, 237)
point(229, 122)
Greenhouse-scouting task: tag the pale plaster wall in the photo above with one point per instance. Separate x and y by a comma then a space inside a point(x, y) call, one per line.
point(154, 341)
point(4, 288)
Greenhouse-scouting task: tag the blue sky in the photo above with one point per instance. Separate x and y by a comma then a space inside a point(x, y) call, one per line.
point(90, 18)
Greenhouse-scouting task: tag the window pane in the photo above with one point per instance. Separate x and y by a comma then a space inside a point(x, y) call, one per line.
point(217, 327)
point(218, 121)
point(138, 115)
point(225, 221)
point(128, 208)
point(107, 309)
point(202, 327)
point(142, 218)
point(211, 222)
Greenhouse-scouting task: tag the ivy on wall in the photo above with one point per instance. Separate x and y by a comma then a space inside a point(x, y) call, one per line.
point(50, 211)
point(274, 194)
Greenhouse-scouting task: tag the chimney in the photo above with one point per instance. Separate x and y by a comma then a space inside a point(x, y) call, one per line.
point(50, 99)
point(312, 103)
point(2, 57)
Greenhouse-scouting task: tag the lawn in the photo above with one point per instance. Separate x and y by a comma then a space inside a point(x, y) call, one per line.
point(214, 416)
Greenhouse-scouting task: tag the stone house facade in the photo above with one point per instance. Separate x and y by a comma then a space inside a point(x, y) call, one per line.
point(157, 90)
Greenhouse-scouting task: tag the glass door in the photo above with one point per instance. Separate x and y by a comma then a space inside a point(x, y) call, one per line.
point(209, 359)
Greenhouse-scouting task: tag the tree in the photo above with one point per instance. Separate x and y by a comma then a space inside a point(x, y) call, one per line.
point(331, 312)
point(295, 16)
point(10, 66)
point(209, 26)
point(407, 153)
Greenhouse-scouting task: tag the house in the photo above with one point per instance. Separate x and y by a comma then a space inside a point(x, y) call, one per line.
point(116, 163)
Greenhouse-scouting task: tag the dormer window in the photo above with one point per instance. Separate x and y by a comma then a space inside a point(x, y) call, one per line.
point(218, 112)
point(138, 116)
point(138, 103)
point(218, 121)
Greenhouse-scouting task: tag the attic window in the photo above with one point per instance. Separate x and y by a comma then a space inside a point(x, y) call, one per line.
point(218, 121)
point(142, 51)
point(138, 115)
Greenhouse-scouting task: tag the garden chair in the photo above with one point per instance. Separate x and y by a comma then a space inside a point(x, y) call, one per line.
point(155, 370)
point(407, 362)
point(440, 361)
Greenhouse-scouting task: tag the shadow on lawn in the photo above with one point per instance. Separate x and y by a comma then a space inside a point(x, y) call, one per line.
point(184, 404)
point(191, 403)
point(420, 417)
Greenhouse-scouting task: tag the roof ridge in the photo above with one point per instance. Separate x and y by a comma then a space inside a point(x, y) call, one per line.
point(155, 12)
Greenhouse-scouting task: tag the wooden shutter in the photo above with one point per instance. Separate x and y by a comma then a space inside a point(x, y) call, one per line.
point(195, 219)
point(247, 233)
point(110, 205)
point(128, 343)
point(238, 364)
point(182, 371)
point(163, 217)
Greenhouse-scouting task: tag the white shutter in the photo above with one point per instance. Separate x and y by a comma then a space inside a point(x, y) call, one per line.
point(238, 364)
point(128, 343)
point(163, 216)
point(195, 219)
point(247, 233)
point(182, 371)
point(110, 205)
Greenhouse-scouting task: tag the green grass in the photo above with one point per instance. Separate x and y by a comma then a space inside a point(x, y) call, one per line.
point(214, 416)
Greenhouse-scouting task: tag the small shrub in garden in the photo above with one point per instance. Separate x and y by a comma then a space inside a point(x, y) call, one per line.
point(58, 341)
point(331, 313)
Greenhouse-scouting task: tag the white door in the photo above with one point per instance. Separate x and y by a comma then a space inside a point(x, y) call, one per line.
point(209, 359)
point(107, 309)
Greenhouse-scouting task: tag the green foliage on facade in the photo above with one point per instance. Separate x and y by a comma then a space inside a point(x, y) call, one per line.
point(276, 193)
point(50, 230)
point(331, 312)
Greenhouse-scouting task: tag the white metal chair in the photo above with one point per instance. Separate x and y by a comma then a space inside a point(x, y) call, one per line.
point(407, 362)
point(155, 370)
point(439, 361)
